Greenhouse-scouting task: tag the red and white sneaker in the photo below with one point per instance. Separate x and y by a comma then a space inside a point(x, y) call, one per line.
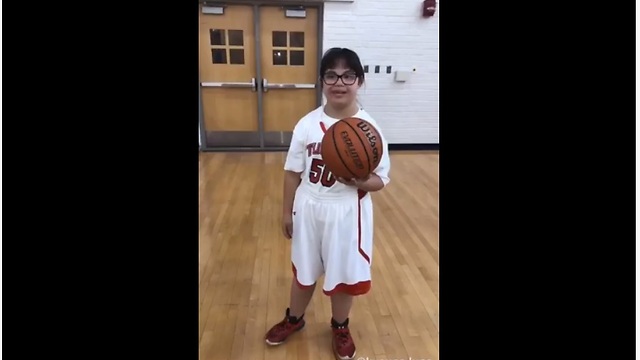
point(281, 331)
point(343, 346)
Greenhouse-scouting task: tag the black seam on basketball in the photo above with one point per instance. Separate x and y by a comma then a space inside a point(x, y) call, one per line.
point(363, 146)
point(335, 145)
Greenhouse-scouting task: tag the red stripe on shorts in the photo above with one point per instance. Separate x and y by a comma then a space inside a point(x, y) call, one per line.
point(361, 195)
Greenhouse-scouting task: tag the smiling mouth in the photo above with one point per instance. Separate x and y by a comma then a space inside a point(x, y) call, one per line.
point(338, 92)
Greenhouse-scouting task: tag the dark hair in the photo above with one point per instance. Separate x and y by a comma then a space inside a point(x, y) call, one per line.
point(333, 56)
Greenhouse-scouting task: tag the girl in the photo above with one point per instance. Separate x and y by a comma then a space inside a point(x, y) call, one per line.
point(330, 220)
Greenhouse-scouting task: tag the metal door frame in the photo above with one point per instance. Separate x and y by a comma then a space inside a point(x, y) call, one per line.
point(256, 4)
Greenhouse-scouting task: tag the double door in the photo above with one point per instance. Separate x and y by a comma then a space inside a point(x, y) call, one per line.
point(258, 73)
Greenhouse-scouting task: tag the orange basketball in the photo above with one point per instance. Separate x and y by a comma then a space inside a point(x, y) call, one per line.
point(352, 148)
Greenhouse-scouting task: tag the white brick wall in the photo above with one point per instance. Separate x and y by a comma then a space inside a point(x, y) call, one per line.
point(392, 33)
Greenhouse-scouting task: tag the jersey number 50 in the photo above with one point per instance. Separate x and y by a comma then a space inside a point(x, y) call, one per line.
point(319, 173)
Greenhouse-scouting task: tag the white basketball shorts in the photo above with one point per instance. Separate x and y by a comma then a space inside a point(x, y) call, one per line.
point(333, 235)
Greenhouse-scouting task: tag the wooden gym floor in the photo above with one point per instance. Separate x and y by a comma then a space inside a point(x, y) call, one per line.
point(245, 268)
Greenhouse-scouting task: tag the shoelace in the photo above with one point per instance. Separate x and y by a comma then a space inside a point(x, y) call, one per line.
point(342, 335)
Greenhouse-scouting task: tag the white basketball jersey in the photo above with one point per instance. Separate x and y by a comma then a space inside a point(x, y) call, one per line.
point(304, 154)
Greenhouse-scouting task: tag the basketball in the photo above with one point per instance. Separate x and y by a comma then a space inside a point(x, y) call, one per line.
point(352, 148)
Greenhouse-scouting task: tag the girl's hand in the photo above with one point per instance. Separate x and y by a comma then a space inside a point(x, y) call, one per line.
point(353, 182)
point(287, 225)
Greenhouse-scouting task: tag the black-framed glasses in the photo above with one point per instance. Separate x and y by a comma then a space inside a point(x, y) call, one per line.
point(332, 78)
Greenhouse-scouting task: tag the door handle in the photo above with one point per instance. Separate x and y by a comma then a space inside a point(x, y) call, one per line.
point(266, 86)
point(252, 84)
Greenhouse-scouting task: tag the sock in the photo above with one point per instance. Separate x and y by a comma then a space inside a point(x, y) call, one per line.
point(337, 325)
point(293, 319)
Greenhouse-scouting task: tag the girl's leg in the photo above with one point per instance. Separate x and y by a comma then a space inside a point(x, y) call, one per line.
point(300, 298)
point(341, 306)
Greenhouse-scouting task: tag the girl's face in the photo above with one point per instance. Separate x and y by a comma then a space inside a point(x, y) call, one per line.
point(340, 86)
